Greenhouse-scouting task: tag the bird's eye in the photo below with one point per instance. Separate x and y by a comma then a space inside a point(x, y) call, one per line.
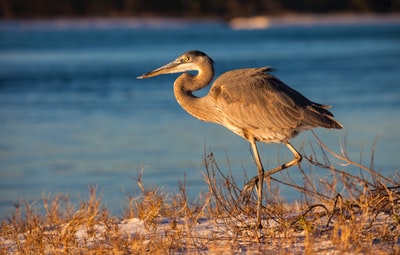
point(185, 59)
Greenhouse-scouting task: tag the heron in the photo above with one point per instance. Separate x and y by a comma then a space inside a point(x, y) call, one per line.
point(251, 103)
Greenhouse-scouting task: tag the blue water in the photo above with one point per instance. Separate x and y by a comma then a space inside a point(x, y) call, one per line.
point(72, 112)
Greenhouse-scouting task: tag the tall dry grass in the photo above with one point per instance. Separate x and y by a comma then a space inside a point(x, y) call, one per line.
point(345, 207)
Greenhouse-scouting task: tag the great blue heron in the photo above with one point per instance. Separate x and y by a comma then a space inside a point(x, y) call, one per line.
point(250, 102)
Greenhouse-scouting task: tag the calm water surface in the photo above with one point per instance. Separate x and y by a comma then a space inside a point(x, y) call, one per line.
point(72, 112)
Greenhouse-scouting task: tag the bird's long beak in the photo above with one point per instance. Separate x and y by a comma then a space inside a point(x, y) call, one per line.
point(172, 67)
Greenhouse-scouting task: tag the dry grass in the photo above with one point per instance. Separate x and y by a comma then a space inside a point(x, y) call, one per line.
point(346, 208)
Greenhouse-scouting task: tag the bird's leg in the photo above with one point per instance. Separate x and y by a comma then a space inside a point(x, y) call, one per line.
point(259, 181)
point(296, 160)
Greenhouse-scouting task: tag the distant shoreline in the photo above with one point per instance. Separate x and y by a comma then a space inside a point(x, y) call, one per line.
point(313, 19)
point(255, 22)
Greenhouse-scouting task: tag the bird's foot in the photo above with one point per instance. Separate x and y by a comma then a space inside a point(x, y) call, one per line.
point(248, 189)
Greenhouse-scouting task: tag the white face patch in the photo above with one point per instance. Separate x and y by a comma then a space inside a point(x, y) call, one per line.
point(184, 67)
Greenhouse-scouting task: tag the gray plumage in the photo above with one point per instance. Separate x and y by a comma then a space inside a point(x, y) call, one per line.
point(250, 102)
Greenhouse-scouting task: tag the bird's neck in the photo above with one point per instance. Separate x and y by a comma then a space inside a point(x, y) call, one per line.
point(199, 107)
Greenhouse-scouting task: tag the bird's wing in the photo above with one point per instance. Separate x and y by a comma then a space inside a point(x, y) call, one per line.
point(252, 98)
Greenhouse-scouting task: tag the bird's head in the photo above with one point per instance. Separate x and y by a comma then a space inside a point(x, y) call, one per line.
point(189, 61)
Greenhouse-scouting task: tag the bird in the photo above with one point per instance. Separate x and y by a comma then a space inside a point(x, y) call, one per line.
point(251, 103)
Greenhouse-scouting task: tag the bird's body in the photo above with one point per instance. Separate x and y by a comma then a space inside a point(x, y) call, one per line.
point(283, 113)
point(250, 102)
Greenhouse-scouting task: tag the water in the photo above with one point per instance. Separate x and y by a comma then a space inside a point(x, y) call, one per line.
point(72, 112)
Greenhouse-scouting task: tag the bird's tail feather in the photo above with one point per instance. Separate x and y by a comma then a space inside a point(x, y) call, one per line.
point(319, 116)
